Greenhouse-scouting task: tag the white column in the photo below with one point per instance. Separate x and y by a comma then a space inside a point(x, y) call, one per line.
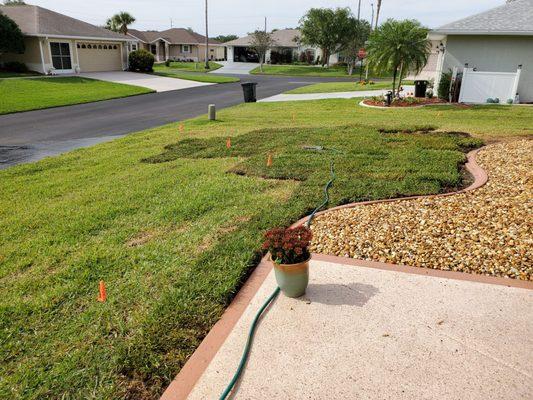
point(166, 51)
point(157, 51)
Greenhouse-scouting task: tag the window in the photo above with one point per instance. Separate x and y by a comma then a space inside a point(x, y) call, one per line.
point(89, 46)
point(78, 45)
point(115, 47)
point(99, 47)
point(60, 55)
point(185, 48)
point(134, 47)
point(83, 46)
point(105, 46)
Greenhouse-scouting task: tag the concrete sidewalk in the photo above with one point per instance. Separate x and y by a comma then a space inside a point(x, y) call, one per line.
point(334, 95)
point(363, 333)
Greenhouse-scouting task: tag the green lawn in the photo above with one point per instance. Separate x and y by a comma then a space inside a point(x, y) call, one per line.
point(35, 93)
point(172, 221)
point(305, 70)
point(331, 87)
point(190, 66)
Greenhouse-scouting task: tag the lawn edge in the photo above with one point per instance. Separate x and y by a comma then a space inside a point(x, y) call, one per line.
point(184, 382)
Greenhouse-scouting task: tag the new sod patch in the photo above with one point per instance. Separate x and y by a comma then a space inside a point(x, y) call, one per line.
point(172, 221)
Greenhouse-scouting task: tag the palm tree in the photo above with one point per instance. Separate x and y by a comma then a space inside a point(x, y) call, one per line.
point(119, 22)
point(378, 8)
point(400, 47)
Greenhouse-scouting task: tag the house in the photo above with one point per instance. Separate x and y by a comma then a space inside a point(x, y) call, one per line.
point(61, 44)
point(176, 44)
point(286, 49)
point(499, 40)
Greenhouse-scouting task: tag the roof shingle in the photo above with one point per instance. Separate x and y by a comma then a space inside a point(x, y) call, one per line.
point(38, 21)
point(173, 35)
point(514, 17)
point(282, 38)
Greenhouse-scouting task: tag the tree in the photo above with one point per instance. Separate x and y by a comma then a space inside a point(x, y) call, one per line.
point(400, 47)
point(378, 9)
point(225, 38)
point(326, 28)
point(261, 41)
point(11, 37)
point(119, 22)
point(359, 33)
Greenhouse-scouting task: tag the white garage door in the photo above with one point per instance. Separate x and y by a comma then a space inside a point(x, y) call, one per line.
point(96, 57)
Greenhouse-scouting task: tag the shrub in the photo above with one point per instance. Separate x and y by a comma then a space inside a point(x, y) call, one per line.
point(288, 246)
point(443, 91)
point(141, 60)
point(15, 66)
point(167, 63)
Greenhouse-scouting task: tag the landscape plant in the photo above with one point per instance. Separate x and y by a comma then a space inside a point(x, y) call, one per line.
point(11, 37)
point(359, 31)
point(288, 245)
point(401, 47)
point(261, 41)
point(119, 22)
point(327, 29)
point(141, 61)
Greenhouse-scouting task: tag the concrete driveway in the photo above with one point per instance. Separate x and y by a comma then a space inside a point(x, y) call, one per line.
point(154, 82)
point(235, 68)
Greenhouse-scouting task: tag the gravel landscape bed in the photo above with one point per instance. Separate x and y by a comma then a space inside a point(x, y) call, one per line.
point(485, 231)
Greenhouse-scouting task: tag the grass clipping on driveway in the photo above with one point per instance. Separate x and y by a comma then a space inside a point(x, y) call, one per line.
point(172, 221)
point(35, 93)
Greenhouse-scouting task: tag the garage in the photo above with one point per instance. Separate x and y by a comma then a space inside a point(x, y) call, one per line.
point(95, 56)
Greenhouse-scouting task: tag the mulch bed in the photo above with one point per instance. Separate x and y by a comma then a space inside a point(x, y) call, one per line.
point(406, 103)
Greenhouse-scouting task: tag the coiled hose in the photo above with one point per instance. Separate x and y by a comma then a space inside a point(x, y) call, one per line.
point(253, 327)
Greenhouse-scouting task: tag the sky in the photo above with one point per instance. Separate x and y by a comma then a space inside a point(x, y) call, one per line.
point(242, 16)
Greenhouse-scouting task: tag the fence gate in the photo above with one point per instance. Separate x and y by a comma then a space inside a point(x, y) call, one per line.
point(478, 86)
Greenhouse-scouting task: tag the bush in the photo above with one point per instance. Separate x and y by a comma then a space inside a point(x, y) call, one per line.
point(15, 66)
point(167, 63)
point(443, 91)
point(141, 60)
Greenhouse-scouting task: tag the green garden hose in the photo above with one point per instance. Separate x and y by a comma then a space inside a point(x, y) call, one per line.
point(274, 294)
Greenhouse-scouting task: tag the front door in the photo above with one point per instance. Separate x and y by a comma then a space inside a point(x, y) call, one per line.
point(61, 59)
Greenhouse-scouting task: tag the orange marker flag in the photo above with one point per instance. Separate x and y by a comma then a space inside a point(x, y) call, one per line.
point(182, 128)
point(228, 142)
point(269, 160)
point(103, 295)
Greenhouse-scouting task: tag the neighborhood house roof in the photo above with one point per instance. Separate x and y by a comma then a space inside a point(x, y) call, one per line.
point(282, 38)
point(514, 17)
point(173, 36)
point(38, 21)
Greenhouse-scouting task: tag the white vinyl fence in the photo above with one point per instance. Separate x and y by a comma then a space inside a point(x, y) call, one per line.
point(478, 86)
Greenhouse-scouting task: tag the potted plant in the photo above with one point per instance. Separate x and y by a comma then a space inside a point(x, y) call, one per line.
point(289, 253)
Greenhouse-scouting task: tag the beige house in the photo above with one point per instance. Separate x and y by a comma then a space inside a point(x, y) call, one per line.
point(176, 44)
point(56, 43)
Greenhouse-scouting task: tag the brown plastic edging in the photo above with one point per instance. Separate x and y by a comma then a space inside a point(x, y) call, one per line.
point(184, 382)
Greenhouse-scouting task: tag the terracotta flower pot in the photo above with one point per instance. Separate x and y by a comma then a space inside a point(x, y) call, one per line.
point(292, 279)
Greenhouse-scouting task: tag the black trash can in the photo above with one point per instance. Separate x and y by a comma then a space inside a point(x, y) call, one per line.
point(420, 88)
point(249, 92)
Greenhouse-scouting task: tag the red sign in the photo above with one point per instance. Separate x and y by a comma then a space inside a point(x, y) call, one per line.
point(361, 53)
